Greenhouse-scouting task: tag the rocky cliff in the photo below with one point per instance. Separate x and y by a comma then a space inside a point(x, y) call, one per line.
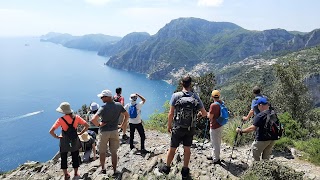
point(133, 165)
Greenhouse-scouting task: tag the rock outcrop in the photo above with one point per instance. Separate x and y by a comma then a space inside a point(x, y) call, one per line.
point(133, 165)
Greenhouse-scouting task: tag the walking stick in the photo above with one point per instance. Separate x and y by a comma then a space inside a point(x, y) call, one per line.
point(234, 144)
point(205, 130)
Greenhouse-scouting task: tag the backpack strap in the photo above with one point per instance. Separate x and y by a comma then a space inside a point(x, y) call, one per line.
point(73, 119)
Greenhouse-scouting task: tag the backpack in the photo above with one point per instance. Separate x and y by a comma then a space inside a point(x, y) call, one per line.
point(273, 129)
point(185, 111)
point(133, 111)
point(224, 114)
point(117, 99)
point(87, 145)
point(92, 134)
point(71, 132)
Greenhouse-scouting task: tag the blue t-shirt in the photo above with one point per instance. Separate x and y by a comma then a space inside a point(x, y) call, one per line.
point(109, 114)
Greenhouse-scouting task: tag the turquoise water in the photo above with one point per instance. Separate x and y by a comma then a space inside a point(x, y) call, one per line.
point(35, 77)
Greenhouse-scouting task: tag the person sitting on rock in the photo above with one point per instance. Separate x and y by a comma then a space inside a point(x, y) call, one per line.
point(88, 146)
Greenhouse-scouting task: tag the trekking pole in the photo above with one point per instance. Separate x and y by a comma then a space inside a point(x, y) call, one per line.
point(234, 144)
point(205, 130)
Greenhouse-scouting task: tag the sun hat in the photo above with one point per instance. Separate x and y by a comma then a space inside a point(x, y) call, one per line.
point(105, 93)
point(94, 106)
point(262, 101)
point(64, 108)
point(133, 97)
point(215, 93)
point(84, 137)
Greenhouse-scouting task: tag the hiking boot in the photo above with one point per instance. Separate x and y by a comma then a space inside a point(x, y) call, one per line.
point(125, 137)
point(217, 162)
point(164, 169)
point(209, 158)
point(185, 172)
point(144, 151)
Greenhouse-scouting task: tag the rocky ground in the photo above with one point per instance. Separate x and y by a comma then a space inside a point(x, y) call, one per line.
point(134, 165)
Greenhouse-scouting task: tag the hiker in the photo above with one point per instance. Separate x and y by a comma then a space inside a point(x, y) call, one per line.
point(216, 127)
point(183, 123)
point(263, 143)
point(120, 99)
point(135, 122)
point(88, 145)
point(108, 128)
point(69, 140)
point(254, 109)
point(93, 110)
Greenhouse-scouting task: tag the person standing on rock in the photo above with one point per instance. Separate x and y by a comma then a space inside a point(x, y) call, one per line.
point(135, 122)
point(215, 128)
point(108, 132)
point(184, 106)
point(93, 110)
point(69, 140)
point(254, 109)
point(263, 144)
point(119, 98)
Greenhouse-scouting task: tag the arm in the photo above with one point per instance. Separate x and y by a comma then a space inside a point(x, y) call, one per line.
point(203, 112)
point(246, 130)
point(86, 126)
point(54, 134)
point(94, 121)
point(141, 97)
point(250, 114)
point(170, 118)
point(94, 151)
point(125, 121)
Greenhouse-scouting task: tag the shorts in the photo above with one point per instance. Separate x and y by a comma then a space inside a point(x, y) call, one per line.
point(182, 134)
point(110, 138)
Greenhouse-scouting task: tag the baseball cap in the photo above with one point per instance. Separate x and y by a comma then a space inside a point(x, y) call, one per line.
point(215, 93)
point(105, 93)
point(262, 101)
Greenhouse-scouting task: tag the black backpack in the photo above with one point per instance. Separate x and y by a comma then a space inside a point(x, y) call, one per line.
point(273, 129)
point(185, 111)
point(71, 132)
point(117, 99)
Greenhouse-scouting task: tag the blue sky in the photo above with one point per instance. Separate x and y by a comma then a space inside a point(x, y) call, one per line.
point(120, 17)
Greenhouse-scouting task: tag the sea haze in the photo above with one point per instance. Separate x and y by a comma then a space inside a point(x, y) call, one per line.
point(36, 77)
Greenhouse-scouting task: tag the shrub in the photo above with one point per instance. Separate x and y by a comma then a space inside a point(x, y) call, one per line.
point(270, 170)
point(312, 148)
point(229, 132)
point(283, 144)
point(293, 129)
point(158, 121)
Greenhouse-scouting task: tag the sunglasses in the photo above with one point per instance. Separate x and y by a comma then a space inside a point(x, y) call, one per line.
point(134, 98)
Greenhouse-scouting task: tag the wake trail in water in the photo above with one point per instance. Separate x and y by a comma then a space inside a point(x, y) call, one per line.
point(9, 119)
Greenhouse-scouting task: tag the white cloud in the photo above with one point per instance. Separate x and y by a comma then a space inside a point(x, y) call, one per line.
point(97, 2)
point(210, 2)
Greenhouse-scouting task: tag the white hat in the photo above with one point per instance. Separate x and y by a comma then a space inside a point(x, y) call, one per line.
point(64, 108)
point(133, 95)
point(105, 93)
point(84, 137)
point(94, 106)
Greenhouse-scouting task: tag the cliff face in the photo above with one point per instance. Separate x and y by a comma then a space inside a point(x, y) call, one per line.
point(133, 165)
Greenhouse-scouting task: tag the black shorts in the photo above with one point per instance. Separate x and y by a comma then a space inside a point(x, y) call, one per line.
point(182, 134)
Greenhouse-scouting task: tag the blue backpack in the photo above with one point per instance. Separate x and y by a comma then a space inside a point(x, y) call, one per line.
point(224, 114)
point(133, 111)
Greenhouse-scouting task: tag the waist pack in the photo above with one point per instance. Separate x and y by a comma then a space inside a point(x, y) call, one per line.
point(224, 114)
point(185, 111)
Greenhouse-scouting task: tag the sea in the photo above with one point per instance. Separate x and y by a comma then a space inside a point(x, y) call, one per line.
point(35, 77)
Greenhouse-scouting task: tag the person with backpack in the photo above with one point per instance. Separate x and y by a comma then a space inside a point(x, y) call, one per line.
point(254, 109)
point(93, 110)
point(268, 129)
point(135, 122)
point(119, 98)
point(218, 116)
point(69, 140)
point(184, 107)
point(88, 145)
point(108, 128)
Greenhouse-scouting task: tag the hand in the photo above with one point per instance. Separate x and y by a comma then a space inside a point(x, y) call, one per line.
point(101, 124)
point(199, 114)
point(59, 137)
point(119, 126)
point(238, 130)
point(169, 128)
point(244, 118)
point(94, 158)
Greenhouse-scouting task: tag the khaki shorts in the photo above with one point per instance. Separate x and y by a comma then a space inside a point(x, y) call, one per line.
point(110, 138)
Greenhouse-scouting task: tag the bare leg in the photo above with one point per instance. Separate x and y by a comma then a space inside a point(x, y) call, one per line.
point(187, 154)
point(102, 160)
point(170, 155)
point(114, 159)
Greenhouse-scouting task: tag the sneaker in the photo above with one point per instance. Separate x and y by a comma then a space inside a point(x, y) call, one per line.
point(125, 137)
point(185, 172)
point(103, 171)
point(143, 151)
point(164, 169)
point(217, 162)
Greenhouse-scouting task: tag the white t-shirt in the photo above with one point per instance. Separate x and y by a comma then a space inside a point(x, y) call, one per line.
point(136, 120)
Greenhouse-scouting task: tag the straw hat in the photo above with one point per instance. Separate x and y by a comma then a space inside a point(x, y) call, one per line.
point(84, 137)
point(64, 108)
